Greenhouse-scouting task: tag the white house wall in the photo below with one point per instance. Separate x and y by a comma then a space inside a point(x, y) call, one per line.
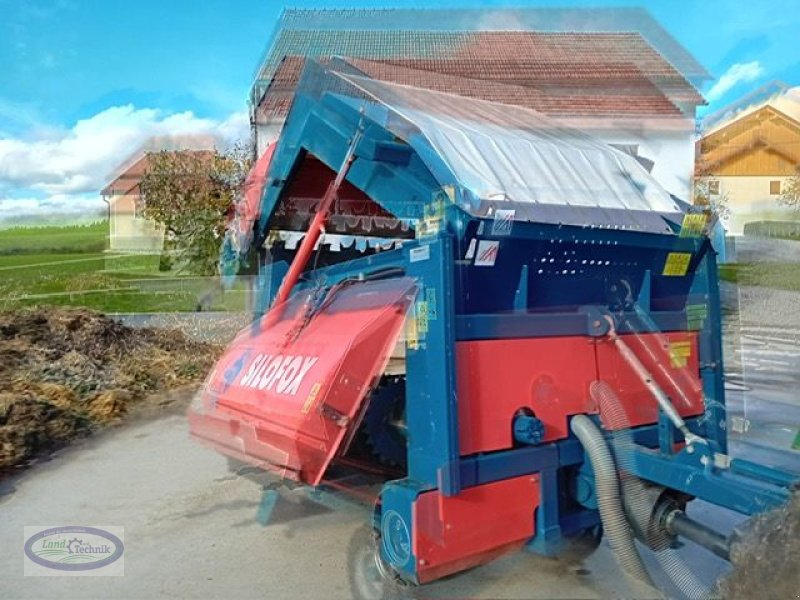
point(131, 234)
point(266, 133)
point(749, 200)
point(672, 151)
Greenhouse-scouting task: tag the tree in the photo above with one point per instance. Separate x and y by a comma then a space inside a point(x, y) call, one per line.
point(790, 196)
point(716, 203)
point(191, 193)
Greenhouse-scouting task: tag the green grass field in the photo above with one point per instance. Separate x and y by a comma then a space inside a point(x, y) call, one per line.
point(66, 266)
point(780, 276)
point(54, 240)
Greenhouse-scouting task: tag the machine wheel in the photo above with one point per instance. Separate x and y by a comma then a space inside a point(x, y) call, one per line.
point(369, 576)
point(581, 545)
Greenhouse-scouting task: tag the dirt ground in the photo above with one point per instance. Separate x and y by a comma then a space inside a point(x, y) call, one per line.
point(765, 556)
point(67, 373)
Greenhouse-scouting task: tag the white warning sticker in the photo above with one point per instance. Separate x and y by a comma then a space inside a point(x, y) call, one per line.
point(487, 253)
point(420, 253)
point(471, 250)
point(503, 220)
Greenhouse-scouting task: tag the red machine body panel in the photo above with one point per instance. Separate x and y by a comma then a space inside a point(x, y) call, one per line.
point(497, 378)
point(551, 377)
point(289, 390)
point(673, 360)
point(451, 534)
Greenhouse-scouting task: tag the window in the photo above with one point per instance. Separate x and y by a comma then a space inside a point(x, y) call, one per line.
point(713, 187)
point(775, 188)
point(138, 207)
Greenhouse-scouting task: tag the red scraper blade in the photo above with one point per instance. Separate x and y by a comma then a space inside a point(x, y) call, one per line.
point(290, 389)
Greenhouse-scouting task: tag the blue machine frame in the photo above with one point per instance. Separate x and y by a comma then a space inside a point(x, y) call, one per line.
point(395, 177)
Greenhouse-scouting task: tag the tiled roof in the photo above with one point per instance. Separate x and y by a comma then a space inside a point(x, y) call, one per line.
point(601, 99)
point(529, 19)
point(128, 177)
point(616, 73)
point(129, 174)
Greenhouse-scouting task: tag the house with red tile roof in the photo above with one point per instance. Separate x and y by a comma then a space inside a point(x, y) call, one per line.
point(613, 73)
point(129, 230)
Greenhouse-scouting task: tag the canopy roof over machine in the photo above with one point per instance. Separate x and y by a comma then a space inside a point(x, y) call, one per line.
point(498, 156)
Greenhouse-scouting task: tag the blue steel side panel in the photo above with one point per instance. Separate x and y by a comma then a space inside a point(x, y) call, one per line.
point(569, 267)
point(431, 411)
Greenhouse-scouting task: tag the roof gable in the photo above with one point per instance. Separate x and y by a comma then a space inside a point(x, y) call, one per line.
point(129, 174)
point(769, 137)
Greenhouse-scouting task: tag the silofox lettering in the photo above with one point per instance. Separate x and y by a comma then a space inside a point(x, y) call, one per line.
point(283, 373)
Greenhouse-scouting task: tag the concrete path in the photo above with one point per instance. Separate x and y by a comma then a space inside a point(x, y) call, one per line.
point(192, 531)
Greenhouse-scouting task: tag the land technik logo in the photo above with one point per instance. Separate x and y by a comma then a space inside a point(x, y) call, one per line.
point(74, 550)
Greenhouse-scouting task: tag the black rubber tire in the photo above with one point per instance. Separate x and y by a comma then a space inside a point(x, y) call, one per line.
point(583, 544)
point(368, 580)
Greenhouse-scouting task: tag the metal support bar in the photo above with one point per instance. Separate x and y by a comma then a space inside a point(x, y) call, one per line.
point(687, 473)
point(525, 325)
point(431, 404)
point(713, 371)
point(548, 538)
point(764, 473)
point(486, 468)
point(663, 400)
point(317, 227)
point(677, 523)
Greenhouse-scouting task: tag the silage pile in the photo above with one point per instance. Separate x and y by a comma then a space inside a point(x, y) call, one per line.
point(66, 373)
point(766, 557)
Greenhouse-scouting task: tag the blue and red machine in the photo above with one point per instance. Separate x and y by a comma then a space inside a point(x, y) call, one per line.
point(517, 317)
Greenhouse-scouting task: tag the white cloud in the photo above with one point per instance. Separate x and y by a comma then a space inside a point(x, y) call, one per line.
point(57, 208)
point(79, 160)
point(789, 102)
point(736, 74)
point(64, 203)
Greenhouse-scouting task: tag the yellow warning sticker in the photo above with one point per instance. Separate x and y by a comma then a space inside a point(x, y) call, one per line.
point(693, 225)
point(312, 395)
point(677, 264)
point(679, 354)
point(422, 317)
point(417, 325)
point(412, 334)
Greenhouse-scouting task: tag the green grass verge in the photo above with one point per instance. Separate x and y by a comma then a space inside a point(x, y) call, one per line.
point(53, 239)
point(81, 280)
point(781, 276)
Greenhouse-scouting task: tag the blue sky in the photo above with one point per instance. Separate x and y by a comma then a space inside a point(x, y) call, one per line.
point(83, 82)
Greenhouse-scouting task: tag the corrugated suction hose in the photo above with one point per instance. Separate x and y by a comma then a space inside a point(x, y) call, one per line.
point(636, 501)
point(609, 498)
